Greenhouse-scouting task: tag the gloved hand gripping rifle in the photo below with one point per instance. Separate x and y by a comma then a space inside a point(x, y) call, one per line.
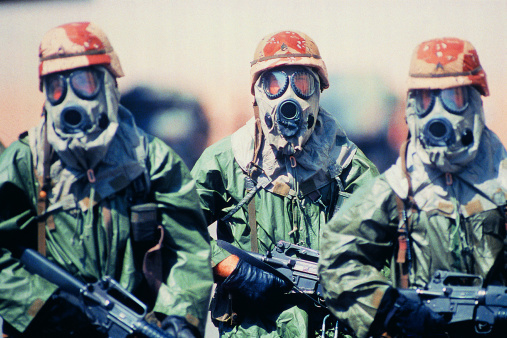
point(460, 297)
point(292, 263)
point(108, 306)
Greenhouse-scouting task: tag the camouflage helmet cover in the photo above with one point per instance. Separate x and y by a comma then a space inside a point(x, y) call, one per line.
point(75, 45)
point(445, 63)
point(287, 48)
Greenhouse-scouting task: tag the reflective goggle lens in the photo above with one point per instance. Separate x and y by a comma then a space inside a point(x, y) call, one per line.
point(85, 83)
point(303, 84)
point(276, 82)
point(424, 99)
point(454, 100)
point(56, 88)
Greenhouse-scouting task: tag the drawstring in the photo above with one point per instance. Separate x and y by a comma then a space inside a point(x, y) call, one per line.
point(459, 245)
point(291, 168)
point(84, 228)
point(88, 222)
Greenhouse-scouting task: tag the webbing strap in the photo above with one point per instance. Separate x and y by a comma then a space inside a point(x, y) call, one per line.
point(404, 257)
point(258, 133)
point(403, 244)
point(41, 231)
point(42, 197)
point(252, 221)
point(403, 158)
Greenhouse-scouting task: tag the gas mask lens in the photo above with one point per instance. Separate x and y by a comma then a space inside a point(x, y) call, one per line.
point(275, 82)
point(454, 100)
point(85, 83)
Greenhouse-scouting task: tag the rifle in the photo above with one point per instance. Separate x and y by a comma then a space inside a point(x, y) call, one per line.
point(109, 306)
point(294, 264)
point(290, 262)
point(461, 297)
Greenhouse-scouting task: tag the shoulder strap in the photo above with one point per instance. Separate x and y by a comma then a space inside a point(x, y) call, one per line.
point(404, 256)
point(252, 221)
point(44, 221)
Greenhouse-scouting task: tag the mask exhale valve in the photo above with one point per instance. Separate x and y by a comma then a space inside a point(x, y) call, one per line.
point(288, 115)
point(74, 120)
point(438, 132)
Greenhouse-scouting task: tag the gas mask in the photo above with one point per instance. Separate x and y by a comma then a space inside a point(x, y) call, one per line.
point(81, 106)
point(288, 101)
point(446, 124)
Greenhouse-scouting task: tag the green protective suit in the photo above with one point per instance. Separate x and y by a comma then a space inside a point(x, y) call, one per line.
point(94, 241)
point(293, 214)
point(458, 225)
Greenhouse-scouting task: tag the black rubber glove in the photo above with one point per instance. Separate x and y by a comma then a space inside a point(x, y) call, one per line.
point(178, 327)
point(399, 315)
point(61, 316)
point(255, 284)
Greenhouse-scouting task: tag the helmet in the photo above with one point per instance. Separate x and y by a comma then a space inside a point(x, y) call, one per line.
point(446, 63)
point(287, 48)
point(76, 45)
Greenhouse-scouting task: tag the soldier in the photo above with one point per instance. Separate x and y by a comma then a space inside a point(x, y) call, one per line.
point(440, 207)
point(280, 177)
point(72, 185)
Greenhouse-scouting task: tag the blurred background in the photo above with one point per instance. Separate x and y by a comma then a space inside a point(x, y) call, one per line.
point(187, 62)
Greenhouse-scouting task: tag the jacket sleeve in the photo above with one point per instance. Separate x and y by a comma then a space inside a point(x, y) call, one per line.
point(219, 183)
point(359, 172)
point(356, 244)
point(187, 289)
point(22, 294)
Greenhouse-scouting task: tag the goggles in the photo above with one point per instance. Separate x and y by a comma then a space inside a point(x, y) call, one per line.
point(455, 100)
point(85, 83)
point(275, 82)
